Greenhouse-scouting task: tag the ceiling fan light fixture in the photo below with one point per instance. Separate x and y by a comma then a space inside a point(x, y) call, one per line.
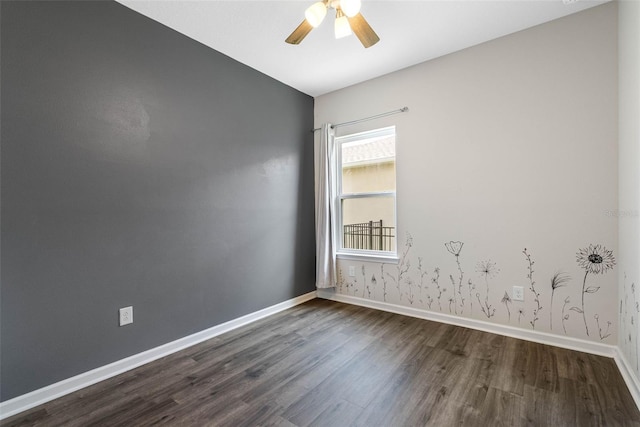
point(350, 7)
point(315, 13)
point(342, 27)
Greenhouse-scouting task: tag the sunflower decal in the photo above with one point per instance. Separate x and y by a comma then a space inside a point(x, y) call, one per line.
point(594, 259)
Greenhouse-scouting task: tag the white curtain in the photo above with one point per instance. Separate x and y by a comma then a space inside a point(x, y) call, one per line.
point(324, 185)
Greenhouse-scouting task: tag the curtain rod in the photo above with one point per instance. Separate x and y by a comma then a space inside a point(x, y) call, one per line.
point(353, 122)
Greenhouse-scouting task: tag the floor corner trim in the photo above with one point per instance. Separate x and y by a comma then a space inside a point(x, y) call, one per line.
point(38, 397)
point(628, 375)
point(510, 331)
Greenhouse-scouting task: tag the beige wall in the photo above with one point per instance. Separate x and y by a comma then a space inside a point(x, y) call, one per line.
point(508, 145)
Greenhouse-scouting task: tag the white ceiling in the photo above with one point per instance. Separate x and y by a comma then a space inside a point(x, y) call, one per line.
point(411, 32)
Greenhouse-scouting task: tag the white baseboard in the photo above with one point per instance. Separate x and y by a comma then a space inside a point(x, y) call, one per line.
point(59, 389)
point(629, 376)
point(510, 331)
point(37, 397)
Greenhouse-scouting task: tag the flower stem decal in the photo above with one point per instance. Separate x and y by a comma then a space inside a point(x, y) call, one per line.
point(421, 284)
point(506, 300)
point(595, 259)
point(384, 283)
point(364, 283)
point(373, 284)
point(489, 271)
point(557, 281)
point(436, 281)
point(403, 265)
point(532, 288)
point(454, 248)
point(565, 317)
point(604, 334)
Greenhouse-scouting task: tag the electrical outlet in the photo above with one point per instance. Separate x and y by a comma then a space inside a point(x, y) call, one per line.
point(126, 315)
point(352, 271)
point(518, 293)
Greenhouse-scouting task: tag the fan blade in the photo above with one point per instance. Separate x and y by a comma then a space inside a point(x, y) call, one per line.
point(299, 33)
point(363, 30)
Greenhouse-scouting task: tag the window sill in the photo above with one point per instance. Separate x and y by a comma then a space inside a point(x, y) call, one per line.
point(387, 259)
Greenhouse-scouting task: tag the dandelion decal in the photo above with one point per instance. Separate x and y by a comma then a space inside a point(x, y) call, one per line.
point(557, 281)
point(506, 300)
point(595, 259)
point(520, 314)
point(489, 271)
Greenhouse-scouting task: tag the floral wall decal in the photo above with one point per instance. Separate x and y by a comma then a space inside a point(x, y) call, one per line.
point(488, 270)
point(628, 317)
point(506, 300)
point(420, 287)
point(565, 315)
point(436, 281)
point(604, 334)
point(422, 273)
point(455, 248)
point(373, 284)
point(558, 280)
point(384, 282)
point(532, 288)
point(595, 259)
point(410, 291)
point(403, 265)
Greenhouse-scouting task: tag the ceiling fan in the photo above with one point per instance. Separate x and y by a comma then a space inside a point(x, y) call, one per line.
point(348, 20)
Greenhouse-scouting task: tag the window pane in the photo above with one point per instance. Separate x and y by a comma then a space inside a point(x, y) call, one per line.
point(369, 223)
point(369, 165)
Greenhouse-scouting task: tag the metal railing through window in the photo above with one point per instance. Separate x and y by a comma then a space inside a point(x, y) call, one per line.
point(370, 235)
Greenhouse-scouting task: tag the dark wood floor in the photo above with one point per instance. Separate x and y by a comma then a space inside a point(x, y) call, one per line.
point(329, 364)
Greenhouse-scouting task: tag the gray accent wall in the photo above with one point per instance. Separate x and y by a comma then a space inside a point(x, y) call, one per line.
point(140, 168)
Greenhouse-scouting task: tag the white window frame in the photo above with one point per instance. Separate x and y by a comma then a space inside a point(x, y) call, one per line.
point(361, 254)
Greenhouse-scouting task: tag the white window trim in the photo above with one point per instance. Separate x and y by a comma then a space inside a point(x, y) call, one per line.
point(354, 254)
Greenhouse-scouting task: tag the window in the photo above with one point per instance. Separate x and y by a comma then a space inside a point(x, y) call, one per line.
point(366, 193)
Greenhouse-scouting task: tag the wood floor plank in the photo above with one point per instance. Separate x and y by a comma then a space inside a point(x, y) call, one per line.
point(338, 413)
point(327, 363)
point(500, 408)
